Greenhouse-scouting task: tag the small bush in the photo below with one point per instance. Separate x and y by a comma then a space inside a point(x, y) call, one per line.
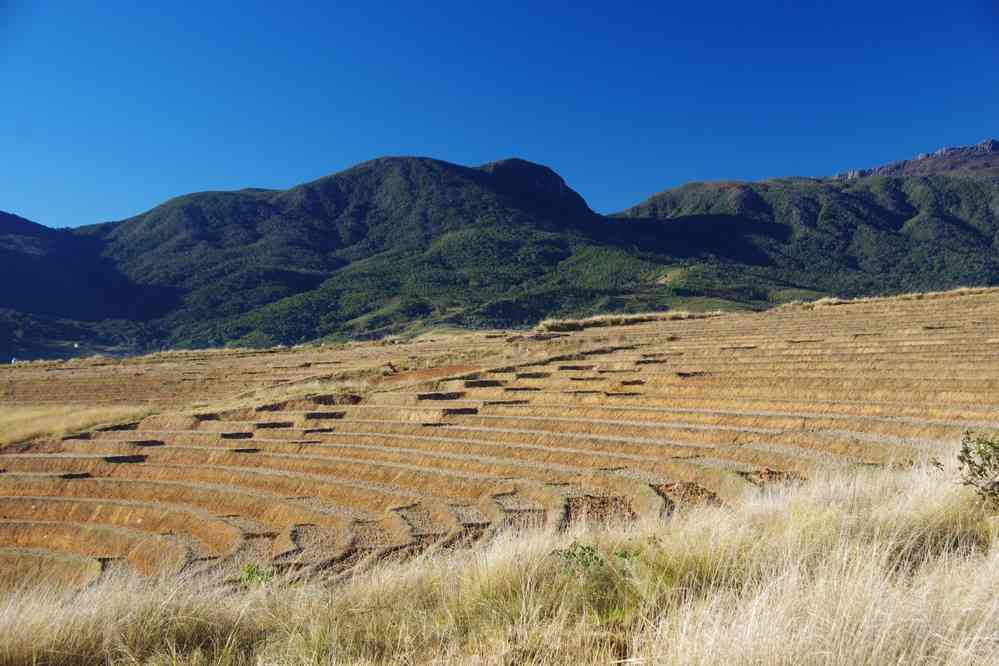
point(979, 458)
point(605, 586)
point(253, 574)
point(580, 556)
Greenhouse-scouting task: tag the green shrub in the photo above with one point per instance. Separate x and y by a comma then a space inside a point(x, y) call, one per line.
point(254, 574)
point(604, 585)
point(580, 556)
point(979, 458)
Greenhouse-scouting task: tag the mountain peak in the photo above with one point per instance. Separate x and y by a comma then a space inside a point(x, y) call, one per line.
point(981, 159)
point(527, 175)
point(518, 164)
point(537, 183)
point(988, 146)
point(15, 224)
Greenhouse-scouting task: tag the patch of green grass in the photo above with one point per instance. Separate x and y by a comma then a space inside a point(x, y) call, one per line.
point(254, 574)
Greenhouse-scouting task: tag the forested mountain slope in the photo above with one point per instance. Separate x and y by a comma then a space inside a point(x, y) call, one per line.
point(398, 243)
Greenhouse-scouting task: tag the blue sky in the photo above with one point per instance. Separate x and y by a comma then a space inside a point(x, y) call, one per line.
point(110, 108)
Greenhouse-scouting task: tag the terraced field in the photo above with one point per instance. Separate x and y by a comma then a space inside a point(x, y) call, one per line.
point(322, 459)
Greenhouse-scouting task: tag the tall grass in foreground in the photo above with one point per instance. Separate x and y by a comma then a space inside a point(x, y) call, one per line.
point(18, 424)
point(874, 567)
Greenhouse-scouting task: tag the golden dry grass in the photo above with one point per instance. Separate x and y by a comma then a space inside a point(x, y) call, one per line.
point(21, 423)
point(460, 434)
point(861, 568)
point(912, 296)
point(598, 321)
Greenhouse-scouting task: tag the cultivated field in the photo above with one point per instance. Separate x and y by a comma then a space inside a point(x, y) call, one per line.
point(320, 460)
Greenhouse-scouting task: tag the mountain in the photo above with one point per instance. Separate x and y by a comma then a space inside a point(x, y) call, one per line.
point(381, 244)
point(228, 252)
point(978, 160)
point(790, 238)
point(400, 243)
point(57, 272)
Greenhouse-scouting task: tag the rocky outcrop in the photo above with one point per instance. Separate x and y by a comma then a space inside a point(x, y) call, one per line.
point(982, 159)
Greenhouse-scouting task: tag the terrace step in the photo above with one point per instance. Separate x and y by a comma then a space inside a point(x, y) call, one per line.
point(62, 570)
point(146, 554)
point(421, 398)
point(406, 413)
point(606, 415)
point(268, 509)
point(384, 467)
point(546, 459)
point(483, 383)
point(214, 538)
point(339, 496)
point(651, 402)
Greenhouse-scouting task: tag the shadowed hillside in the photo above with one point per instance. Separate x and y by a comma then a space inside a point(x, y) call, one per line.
point(61, 273)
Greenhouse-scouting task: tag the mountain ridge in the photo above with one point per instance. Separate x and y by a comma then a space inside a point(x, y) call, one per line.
point(982, 159)
point(396, 243)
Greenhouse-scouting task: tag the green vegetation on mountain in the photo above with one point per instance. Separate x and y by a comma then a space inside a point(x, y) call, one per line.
point(873, 235)
point(397, 244)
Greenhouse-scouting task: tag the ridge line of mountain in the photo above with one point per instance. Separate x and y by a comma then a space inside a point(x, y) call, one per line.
point(397, 245)
point(982, 157)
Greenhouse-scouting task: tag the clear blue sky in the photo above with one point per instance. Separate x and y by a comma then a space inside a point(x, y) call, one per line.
point(110, 108)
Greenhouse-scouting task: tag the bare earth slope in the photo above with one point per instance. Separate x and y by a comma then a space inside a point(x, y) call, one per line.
point(323, 458)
